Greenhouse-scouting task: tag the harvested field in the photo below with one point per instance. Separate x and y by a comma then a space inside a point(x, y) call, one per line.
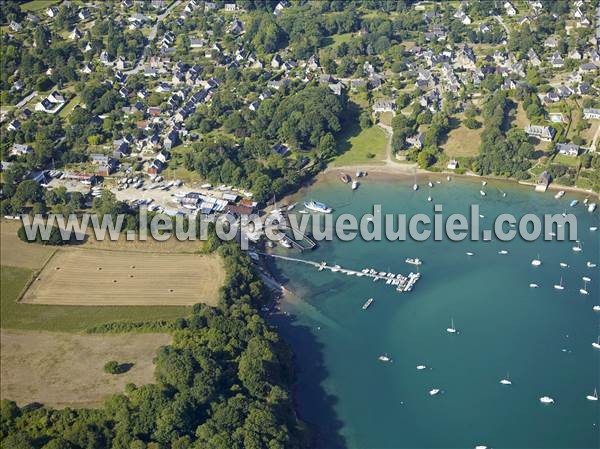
point(61, 370)
point(463, 141)
point(99, 277)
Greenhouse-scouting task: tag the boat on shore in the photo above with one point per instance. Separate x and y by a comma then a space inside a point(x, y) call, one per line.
point(560, 194)
point(345, 178)
point(291, 206)
point(367, 304)
point(317, 206)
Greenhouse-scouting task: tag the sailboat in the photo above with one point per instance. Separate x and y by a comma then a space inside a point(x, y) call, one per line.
point(592, 397)
point(483, 183)
point(596, 344)
point(430, 184)
point(591, 264)
point(564, 265)
point(503, 252)
point(421, 367)
point(536, 262)
point(578, 248)
point(482, 193)
point(434, 392)
point(596, 308)
point(533, 285)
point(429, 197)
point(384, 358)
point(559, 286)
point(451, 329)
point(583, 290)
point(506, 380)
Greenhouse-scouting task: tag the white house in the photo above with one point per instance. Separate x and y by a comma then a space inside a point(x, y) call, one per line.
point(591, 114)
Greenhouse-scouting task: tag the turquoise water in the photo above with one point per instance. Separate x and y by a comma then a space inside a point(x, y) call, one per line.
point(541, 337)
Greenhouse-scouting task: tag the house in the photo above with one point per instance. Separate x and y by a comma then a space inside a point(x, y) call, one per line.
point(150, 72)
point(278, 10)
point(384, 105)
point(336, 88)
point(231, 7)
point(551, 42)
point(416, 141)
point(52, 12)
point(545, 133)
point(276, 61)
point(463, 17)
point(196, 43)
point(163, 156)
point(84, 14)
point(15, 26)
point(574, 54)
point(278, 84)
point(510, 9)
point(280, 149)
point(452, 165)
point(588, 67)
point(155, 167)
point(20, 149)
point(208, 6)
point(75, 34)
point(254, 106)
point(543, 182)
point(87, 68)
point(568, 149)
point(484, 28)
point(533, 58)
point(126, 4)
point(171, 140)
point(14, 125)
point(556, 60)
point(105, 58)
point(564, 91)
point(121, 148)
point(236, 27)
point(591, 114)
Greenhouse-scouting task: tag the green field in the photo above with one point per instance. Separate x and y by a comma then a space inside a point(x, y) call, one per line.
point(356, 145)
point(69, 107)
point(36, 5)
point(336, 39)
point(65, 318)
point(566, 160)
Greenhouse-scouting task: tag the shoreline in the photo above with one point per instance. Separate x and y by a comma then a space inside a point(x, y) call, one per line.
point(400, 171)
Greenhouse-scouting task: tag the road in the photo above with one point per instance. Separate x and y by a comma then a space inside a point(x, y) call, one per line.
point(594, 144)
point(501, 22)
point(152, 36)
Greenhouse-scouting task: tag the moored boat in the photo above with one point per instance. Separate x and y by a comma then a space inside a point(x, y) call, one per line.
point(355, 185)
point(345, 178)
point(560, 194)
point(546, 400)
point(367, 304)
point(317, 206)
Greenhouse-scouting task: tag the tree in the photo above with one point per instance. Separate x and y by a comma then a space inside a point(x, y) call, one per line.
point(365, 120)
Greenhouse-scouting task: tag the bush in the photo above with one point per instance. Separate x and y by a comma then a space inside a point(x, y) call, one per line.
point(471, 123)
point(114, 367)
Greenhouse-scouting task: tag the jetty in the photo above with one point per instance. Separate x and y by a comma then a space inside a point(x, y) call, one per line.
point(305, 243)
point(402, 283)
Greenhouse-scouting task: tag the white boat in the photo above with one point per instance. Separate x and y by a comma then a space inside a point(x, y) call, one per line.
point(415, 187)
point(303, 211)
point(536, 262)
point(316, 206)
point(596, 308)
point(451, 329)
point(592, 397)
point(586, 279)
point(559, 286)
point(429, 198)
point(484, 183)
point(448, 178)
point(291, 206)
point(481, 446)
point(415, 261)
point(532, 285)
point(578, 248)
point(358, 173)
point(564, 265)
point(546, 400)
point(592, 207)
point(285, 243)
point(506, 380)
point(503, 252)
point(367, 304)
point(593, 228)
point(573, 203)
point(434, 392)
point(469, 253)
point(591, 264)
point(355, 185)
point(384, 358)
point(559, 194)
point(596, 344)
point(481, 216)
point(583, 290)
point(482, 193)
point(421, 367)
point(430, 184)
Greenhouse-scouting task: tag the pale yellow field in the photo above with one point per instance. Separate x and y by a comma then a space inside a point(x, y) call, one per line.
point(61, 370)
point(463, 141)
point(79, 276)
point(16, 253)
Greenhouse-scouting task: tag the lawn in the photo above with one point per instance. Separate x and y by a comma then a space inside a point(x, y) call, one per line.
point(357, 145)
point(36, 5)
point(335, 40)
point(566, 160)
point(386, 118)
point(463, 142)
point(69, 107)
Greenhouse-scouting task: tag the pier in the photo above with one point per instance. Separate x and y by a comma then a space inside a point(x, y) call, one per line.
point(401, 282)
point(304, 244)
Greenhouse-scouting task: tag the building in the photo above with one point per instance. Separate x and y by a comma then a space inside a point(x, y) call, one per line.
point(543, 182)
point(452, 165)
point(591, 114)
point(568, 149)
point(384, 106)
point(20, 149)
point(545, 133)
